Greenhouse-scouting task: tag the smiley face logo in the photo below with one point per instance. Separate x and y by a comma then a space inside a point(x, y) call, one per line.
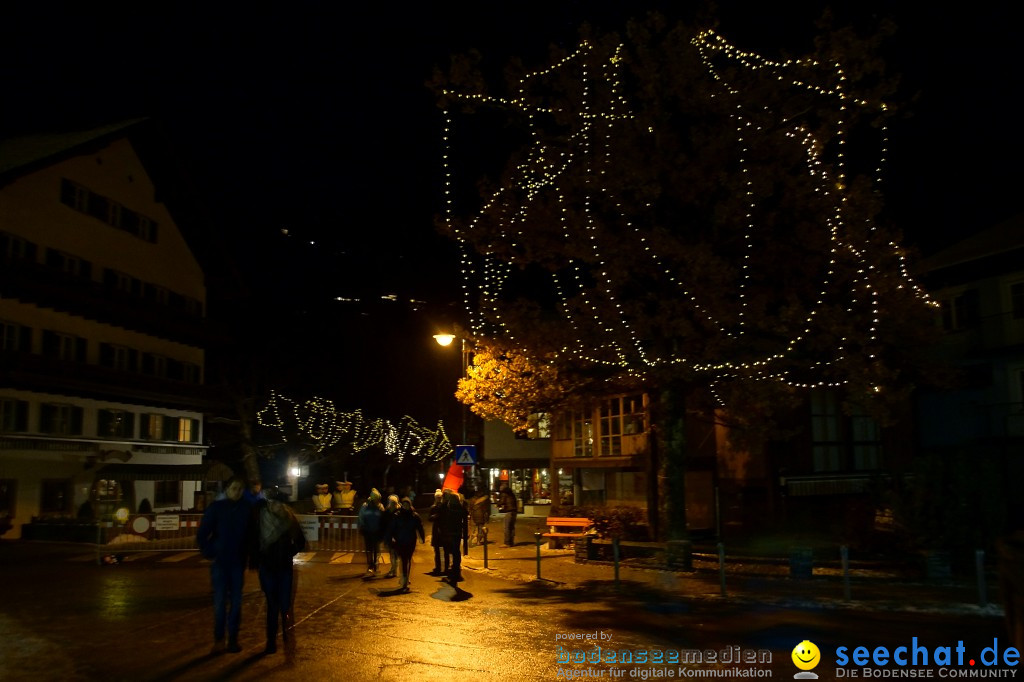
point(806, 655)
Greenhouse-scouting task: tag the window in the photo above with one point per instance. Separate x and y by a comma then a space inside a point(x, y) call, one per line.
point(119, 281)
point(538, 426)
point(8, 496)
point(13, 247)
point(55, 496)
point(182, 371)
point(119, 357)
point(69, 264)
point(620, 416)
point(167, 493)
point(15, 337)
point(154, 365)
point(115, 424)
point(1017, 300)
point(61, 346)
point(156, 293)
point(840, 442)
point(107, 210)
point(962, 311)
point(188, 430)
point(13, 415)
point(107, 489)
point(152, 427)
point(60, 420)
point(577, 427)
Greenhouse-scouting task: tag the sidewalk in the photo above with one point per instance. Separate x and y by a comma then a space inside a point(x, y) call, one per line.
point(763, 580)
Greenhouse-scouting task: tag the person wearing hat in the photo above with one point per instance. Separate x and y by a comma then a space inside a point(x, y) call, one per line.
point(405, 526)
point(274, 540)
point(436, 538)
point(321, 499)
point(390, 510)
point(343, 500)
point(369, 524)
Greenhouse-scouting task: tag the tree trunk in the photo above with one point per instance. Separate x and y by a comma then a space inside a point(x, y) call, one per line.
point(249, 455)
point(670, 417)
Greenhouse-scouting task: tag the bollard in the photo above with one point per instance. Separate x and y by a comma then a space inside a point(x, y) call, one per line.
point(539, 537)
point(979, 566)
point(615, 558)
point(844, 557)
point(721, 568)
point(485, 547)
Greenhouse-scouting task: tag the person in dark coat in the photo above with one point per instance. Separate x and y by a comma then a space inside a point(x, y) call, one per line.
point(453, 520)
point(390, 510)
point(222, 537)
point(480, 512)
point(275, 538)
point(436, 538)
point(405, 526)
point(369, 523)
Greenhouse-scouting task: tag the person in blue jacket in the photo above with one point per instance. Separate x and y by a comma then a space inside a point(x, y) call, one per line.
point(222, 538)
point(370, 523)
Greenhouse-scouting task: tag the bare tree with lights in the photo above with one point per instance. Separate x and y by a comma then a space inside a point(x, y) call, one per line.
point(679, 214)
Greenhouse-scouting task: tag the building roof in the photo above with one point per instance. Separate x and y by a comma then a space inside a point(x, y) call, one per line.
point(999, 239)
point(21, 154)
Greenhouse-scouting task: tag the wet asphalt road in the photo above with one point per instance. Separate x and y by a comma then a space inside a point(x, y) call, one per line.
point(151, 620)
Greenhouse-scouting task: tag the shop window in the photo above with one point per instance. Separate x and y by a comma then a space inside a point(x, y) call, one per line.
point(55, 496)
point(167, 493)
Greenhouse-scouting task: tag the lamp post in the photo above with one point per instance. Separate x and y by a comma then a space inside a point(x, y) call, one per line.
point(445, 339)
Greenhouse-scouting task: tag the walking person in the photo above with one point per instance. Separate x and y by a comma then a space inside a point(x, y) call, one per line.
point(386, 520)
point(405, 526)
point(454, 523)
point(436, 538)
point(369, 524)
point(480, 513)
point(222, 537)
point(275, 539)
point(509, 506)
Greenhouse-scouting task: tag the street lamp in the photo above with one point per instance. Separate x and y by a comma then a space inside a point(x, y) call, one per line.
point(445, 339)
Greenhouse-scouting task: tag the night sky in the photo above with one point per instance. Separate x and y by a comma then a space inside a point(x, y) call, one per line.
point(314, 118)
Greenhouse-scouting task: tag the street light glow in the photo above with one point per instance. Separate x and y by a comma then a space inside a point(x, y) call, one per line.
point(444, 339)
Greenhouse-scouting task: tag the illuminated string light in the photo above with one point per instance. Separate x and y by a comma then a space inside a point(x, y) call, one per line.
point(319, 421)
point(596, 116)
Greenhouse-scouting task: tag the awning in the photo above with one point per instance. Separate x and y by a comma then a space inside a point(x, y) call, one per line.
point(210, 471)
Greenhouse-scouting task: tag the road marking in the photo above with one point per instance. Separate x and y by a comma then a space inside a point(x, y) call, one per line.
point(303, 557)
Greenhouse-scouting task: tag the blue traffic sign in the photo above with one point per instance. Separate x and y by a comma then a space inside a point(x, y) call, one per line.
point(465, 455)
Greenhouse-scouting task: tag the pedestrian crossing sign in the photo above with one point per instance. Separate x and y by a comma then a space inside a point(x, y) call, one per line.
point(465, 455)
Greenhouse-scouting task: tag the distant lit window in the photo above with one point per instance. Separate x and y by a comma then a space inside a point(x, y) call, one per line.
point(188, 430)
point(152, 427)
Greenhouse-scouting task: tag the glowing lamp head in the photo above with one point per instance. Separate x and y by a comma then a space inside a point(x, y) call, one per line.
point(295, 471)
point(444, 339)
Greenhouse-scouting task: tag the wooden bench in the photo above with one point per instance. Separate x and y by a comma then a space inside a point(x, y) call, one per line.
point(578, 525)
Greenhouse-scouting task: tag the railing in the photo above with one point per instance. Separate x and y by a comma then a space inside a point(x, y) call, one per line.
point(177, 533)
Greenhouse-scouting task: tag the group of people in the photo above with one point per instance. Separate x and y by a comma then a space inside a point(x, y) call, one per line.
point(255, 528)
point(252, 528)
point(397, 525)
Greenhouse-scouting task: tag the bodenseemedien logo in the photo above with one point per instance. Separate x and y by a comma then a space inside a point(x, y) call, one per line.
point(806, 657)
